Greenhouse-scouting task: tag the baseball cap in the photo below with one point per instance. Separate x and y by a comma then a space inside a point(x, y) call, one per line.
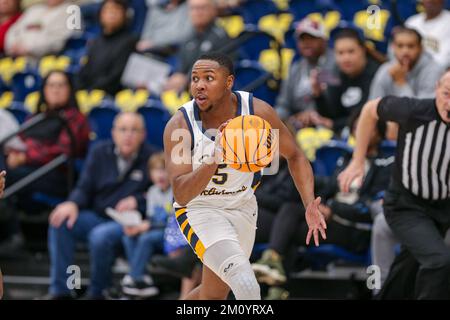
point(312, 27)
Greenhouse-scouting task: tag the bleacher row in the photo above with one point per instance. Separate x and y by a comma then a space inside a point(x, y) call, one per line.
point(263, 33)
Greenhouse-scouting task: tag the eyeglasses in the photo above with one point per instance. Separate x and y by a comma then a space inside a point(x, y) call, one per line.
point(56, 84)
point(124, 130)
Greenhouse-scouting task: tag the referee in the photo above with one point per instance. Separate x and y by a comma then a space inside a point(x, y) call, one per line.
point(417, 203)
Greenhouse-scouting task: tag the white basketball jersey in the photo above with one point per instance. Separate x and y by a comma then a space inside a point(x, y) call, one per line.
point(228, 188)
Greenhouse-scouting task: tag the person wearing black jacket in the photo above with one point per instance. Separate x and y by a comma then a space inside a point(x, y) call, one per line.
point(108, 54)
point(348, 216)
point(350, 90)
point(114, 175)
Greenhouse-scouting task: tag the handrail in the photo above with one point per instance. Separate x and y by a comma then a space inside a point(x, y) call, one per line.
point(41, 171)
point(38, 173)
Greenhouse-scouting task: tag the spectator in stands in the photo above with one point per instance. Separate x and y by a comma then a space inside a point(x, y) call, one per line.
point(159, 232)
point(295, 100)
point(41, 30)
point(137, 10)
point(9, 13)
point(108, 54)
point(115, 176)
point(208, 37)
point(167, 25)
point(49, 138)
point(434, 26)
point(348, 217)
point(8, 127)
point(62, 130)
point(413, 73)
point(338, 99)
point(143, 240)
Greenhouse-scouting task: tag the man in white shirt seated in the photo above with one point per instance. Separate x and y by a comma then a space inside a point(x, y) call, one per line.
point(434, 26)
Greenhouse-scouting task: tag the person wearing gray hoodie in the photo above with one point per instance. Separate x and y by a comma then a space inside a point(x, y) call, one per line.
point(413, 73)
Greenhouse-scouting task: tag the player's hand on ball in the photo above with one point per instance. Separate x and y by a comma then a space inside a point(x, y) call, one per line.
point(316, 222)
point(218, 149)
point(65, 211)
point(353, 172)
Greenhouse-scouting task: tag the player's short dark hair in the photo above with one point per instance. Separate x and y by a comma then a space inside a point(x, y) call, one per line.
point(222, 59)
point(401, 29)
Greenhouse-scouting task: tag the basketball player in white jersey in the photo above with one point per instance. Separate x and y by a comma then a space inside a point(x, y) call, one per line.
point(215, 205)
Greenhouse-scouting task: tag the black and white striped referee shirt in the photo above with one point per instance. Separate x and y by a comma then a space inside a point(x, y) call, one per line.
point(422, 160)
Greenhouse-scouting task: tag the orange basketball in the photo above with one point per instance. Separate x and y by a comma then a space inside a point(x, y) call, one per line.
point(248, 143)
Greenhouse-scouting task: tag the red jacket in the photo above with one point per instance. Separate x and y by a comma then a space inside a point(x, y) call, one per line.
point(4, 27)
point(40, 152)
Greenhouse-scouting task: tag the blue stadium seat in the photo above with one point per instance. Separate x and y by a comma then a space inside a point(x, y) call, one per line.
point(258, 249)
point(46, 199)
point(290, 40)
point(252, 41)
point(19, 111)
point(253, 10)
point(139, 8)
point(76, 48)
point(101, 121)
point(77, 42)
point(301, 8)
point(24, 83)
point(328, 155)
point(90, 13)
point(250, 76)
point(3, 86)
point(321, 256)
point(156, 118)
point(401, 9)
point(349, 8)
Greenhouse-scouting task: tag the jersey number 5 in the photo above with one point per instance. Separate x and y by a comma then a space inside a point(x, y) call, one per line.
point(220, 178)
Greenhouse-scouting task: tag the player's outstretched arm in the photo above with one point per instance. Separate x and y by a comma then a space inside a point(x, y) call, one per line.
point(299, 168)
point(186, 182)
point(366, 125)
